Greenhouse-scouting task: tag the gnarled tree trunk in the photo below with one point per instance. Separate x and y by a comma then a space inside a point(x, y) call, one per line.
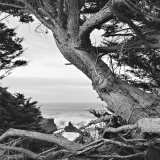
point(73, 41)
point(129, 102)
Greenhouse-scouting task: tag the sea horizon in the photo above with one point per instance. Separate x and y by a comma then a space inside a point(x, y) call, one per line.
point(75, 112)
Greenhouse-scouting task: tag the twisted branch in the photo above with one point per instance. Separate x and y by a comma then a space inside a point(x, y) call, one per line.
point(59, 140)
point(22, 150)
point(101, 119)
point(12, 5)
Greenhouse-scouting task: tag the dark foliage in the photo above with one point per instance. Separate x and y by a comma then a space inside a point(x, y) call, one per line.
point(136, 63)
point(99, 113)
point(18, 112)
point(10, 50)
point(139, 64)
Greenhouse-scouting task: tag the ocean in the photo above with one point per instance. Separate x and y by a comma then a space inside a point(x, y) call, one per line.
point(62, 113)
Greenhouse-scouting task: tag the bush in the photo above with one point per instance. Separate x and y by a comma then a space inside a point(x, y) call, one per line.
point(18, 112)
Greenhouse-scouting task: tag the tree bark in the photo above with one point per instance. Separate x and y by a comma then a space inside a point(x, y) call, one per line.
point(129, 102)
point(74, 43)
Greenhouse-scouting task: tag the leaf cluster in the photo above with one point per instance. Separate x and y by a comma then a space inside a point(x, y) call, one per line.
point(137, 63)
point(10, 50)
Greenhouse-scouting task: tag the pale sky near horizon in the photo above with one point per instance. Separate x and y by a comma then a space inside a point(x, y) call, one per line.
point(46, 78)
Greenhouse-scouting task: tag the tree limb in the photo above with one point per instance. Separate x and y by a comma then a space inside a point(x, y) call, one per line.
point(22, 150)
point(126, 20)
point(101, 119)
point(12, 5)
point(119, 129)
point(59, 140)
point(96, 19)
point(121, 144)
point(46, 12)
point(89, 148)
point(13, 157)
point(60, 5)
point(107, 49)
point(28, 8)
point(114, 34)
point(103, 50)
point(72, 18)
point(117, 156)
point(134, 9)
point(39, 16)
point(145, 125)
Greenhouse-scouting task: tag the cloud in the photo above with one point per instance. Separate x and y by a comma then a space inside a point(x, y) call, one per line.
point(44, 82)
point(46, 78)
point(52, 90)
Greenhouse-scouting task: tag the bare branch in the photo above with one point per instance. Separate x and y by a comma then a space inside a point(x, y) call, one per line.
point(30, 9)
point(49, 7)
point(92, 143)
point(119, 129)
point(117, 156)
point(22, 150)
point(73, 17)
point(121, 144)
point(107, 49)
point(145, 125)
point(90, 148)
point(60, 154)
point(152, 41)
point(14, 157)
point(134, 9)
point(132, 140)
point(47, 151)
point(102, 141)
point(126, 20)
point(59, 140)
point(5, 17)
point(46, 12)
point(60, 4)
point(12, 5)
point(39, 16)
point(96, 19)
point(101, 119)
point(114, 34)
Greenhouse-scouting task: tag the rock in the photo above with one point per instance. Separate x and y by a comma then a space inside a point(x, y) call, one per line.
point(48, 125)
point(71, 128)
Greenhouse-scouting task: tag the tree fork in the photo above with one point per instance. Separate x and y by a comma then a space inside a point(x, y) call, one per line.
point(130, 102)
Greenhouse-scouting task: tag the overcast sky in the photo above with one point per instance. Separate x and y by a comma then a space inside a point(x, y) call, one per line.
point(46, 78)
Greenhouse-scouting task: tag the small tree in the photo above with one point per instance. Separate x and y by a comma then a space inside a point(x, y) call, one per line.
point(18, 112)
point(10, 50)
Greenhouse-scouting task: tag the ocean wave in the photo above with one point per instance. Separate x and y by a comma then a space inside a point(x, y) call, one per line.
point(76, 121)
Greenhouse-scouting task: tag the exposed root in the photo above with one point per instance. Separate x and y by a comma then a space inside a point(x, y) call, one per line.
point(117, 156)
point(145, 125)
point(119, 146)
point(119, 129)
point(26, 152)
point(99, 120)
